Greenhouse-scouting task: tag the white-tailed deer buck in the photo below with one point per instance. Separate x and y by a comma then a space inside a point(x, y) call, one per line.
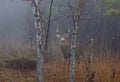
point(64, 43)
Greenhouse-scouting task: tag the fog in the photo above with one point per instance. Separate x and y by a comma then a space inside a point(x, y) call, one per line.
point(16, 15)
point(12, 19)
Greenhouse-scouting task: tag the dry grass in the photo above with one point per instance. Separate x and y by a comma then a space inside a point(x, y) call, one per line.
point(57, 72)
point(10, 75)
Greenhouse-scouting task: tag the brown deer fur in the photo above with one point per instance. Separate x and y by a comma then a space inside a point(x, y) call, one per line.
point(65, 48)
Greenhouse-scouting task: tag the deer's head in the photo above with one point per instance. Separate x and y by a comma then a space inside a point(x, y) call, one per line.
point(63, 37)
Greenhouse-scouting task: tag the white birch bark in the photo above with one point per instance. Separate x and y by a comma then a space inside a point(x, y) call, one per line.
point(38, 29)
point(74, 40)
point(72, 55)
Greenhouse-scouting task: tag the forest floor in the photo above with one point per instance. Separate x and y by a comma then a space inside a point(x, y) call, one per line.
point(58, 72)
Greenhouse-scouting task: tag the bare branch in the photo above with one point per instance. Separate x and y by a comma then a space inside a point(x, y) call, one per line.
point(48, 24)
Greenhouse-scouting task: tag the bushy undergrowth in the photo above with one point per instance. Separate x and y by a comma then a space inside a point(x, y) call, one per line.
point(21, 62)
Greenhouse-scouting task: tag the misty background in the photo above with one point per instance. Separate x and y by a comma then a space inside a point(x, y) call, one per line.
point(12, 19)
point(16, 15)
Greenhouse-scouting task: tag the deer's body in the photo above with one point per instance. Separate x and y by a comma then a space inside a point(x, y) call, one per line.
point(65, 48)
point(65, 45)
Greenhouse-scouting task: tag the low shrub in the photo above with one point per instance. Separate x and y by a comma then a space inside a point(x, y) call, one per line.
point(21, 62)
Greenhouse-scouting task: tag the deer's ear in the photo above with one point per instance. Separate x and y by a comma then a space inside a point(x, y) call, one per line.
point(57, 35)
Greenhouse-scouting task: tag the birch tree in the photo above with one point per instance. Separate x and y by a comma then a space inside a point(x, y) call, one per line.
point(41, 36)
point(39, 32)
point(76, 17)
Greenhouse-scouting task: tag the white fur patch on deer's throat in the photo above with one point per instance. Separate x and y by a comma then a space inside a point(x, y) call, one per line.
point(62, 39)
